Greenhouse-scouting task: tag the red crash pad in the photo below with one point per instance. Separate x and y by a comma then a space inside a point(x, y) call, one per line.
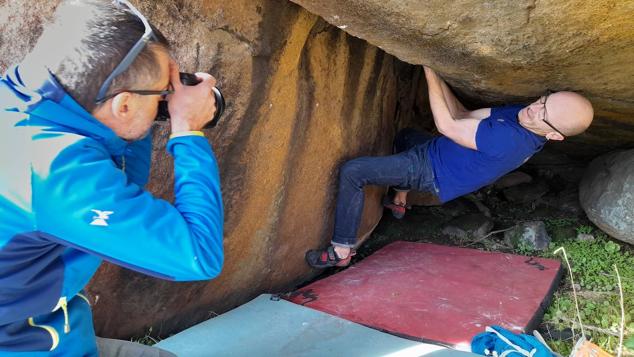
point(437, 293)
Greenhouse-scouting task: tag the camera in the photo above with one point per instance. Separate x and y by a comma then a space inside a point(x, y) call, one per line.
point(190, 79)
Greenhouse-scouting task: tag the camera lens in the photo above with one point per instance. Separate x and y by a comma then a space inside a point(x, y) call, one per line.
point(220, 107)
point(190, 79)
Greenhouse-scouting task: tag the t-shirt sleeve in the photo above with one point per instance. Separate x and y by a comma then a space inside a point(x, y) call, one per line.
point(509, 112)
point(494, 135)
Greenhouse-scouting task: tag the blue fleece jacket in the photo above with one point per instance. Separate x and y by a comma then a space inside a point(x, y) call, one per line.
point(71, 195)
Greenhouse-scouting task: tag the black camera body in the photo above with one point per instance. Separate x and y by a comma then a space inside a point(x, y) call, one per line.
point(190, 79)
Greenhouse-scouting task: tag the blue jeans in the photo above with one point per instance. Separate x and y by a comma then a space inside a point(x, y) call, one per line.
point(409, 168)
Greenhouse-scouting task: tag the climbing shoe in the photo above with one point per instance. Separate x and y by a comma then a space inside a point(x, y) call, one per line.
point(326, 258)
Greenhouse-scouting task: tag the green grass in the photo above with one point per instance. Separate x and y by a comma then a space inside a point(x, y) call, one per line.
point(147, 339)
point(593, 271)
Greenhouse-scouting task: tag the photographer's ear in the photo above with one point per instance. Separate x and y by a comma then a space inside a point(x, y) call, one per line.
point(121, 106)
point(115, 111)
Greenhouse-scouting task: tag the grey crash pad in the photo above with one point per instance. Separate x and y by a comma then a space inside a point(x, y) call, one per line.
point(265, 327)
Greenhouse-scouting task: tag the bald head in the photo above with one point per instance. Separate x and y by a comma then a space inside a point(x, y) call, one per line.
point(569, 112)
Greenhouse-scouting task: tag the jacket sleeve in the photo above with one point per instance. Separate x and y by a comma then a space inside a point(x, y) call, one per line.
point(82, 200)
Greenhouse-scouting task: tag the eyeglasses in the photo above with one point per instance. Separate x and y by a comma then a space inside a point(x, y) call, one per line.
point(542, 101)
point(129, 57)
point(162, 93)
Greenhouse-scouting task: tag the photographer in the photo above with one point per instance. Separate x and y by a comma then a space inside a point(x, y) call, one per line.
point(76, 147)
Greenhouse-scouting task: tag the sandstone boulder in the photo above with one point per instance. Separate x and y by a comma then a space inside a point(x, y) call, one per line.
point(606, 194)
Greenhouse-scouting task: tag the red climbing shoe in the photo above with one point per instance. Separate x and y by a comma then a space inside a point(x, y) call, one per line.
point(326, 258)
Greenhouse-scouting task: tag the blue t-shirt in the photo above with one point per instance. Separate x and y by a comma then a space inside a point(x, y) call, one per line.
point(503, 145)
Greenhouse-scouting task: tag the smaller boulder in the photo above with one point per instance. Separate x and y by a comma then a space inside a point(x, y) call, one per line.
point(606, 194)
point(470, 226)
point(532, 235)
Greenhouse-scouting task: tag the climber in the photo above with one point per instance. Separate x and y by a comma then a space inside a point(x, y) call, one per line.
point(475, 149)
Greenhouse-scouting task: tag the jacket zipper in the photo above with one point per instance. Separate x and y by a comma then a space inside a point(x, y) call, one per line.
point(63, 304)
point(50, 330)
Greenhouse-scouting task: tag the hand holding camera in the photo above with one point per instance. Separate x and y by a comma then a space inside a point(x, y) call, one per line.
point(195, 104)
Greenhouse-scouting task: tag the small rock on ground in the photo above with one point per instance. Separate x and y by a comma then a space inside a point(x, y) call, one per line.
point(533, 234)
